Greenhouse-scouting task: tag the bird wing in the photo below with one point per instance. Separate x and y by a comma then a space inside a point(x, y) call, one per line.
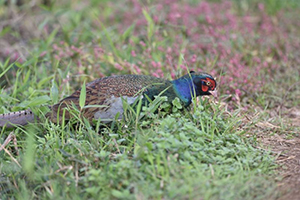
point(101, 90)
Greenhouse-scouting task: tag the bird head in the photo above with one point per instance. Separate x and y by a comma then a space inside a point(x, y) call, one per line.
point(204, 83)
point(194, 84)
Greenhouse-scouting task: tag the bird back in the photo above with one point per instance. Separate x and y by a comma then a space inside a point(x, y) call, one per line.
point(107, 92)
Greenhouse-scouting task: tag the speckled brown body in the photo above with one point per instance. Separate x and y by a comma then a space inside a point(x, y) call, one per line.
point(99, 92)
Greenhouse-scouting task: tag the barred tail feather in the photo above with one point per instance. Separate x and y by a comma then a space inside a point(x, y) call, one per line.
point(16, 118)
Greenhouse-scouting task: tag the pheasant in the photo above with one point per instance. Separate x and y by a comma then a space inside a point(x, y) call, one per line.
point(109, 93)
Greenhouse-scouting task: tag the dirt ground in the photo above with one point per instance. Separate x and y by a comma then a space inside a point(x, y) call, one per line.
point(287, 151)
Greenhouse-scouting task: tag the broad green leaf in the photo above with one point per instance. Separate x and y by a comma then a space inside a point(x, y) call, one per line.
point(37, 101)
point(82, 96)
point(29, 156)
point(128, 32)
point(176, 103)
point(45, 80)
point(54, 92)
point(150, 27)
point(6, 67)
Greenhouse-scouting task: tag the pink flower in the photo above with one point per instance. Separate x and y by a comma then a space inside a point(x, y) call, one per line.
point(133, 53)
point(118, 66)
point(142, 43)
point(194, 58)
point(43, 53)
point(261, 6)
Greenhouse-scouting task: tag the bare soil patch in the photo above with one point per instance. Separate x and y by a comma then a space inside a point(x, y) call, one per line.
point(287, 148)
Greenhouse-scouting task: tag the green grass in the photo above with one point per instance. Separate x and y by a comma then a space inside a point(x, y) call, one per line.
point(204, 152)
point(198, 154)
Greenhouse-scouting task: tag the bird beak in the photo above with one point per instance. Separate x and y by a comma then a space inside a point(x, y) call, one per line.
point(214, 93)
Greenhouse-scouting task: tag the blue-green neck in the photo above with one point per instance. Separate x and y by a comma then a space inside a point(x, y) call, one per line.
point(184, 88)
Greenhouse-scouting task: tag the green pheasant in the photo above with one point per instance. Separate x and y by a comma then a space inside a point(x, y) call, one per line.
point(109, 92)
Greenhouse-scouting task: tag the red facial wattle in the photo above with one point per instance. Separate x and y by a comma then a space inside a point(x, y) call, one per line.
point(204, 88)
point(208, 84)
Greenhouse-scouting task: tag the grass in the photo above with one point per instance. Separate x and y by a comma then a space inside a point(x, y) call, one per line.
point(208, 151)
point(174, 156)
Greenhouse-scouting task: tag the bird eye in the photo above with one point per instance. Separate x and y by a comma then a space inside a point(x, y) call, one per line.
point(208, 83)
